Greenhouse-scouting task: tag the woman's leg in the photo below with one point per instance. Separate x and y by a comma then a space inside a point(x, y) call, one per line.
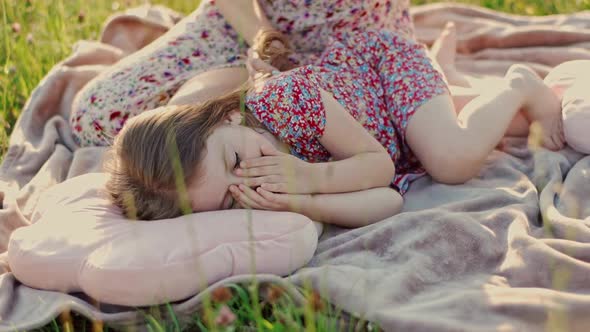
point(150, 77)
point(453, 148)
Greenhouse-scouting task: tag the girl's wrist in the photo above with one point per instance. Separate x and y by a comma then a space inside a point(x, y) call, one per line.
point(319, 175)
point(306, 204)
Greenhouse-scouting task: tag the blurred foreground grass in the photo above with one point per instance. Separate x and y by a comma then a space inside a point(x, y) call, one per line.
point(526, 7)
point(36, 34)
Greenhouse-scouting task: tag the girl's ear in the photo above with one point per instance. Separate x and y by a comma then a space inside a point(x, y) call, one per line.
point(234, 118)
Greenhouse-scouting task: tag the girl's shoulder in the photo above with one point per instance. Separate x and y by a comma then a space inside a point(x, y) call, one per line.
point(289, 105)
point(290, 78)
point(289, 91)
point(284, 90)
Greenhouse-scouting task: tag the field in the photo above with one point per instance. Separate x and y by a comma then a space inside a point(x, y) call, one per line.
point(36, 34)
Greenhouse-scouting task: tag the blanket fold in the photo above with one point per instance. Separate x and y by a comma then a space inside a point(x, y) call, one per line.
point(509, 250)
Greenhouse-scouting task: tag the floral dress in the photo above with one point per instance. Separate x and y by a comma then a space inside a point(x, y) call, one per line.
point(203, 41)
point(381, 78)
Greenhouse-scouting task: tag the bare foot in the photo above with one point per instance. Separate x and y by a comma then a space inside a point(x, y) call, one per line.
point(541, 105)
point(444, 51)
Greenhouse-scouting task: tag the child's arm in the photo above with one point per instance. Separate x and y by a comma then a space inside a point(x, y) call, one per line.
point(353, 209)
point(361, 162)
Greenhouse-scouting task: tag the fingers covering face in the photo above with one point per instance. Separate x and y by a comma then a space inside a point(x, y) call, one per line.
point(252, 199)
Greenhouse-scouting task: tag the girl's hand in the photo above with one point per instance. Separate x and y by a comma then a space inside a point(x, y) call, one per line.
point(278, 172)
point(261, 199)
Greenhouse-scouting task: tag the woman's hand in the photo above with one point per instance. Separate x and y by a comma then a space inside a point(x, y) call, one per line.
point(273, 47)
point(278, 172)
point(257, 67)
point(261, 199)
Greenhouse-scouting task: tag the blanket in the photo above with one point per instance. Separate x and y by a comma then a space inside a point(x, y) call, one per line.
point(509, 250)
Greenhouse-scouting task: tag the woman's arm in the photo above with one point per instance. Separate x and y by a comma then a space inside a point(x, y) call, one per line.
point(245, 16)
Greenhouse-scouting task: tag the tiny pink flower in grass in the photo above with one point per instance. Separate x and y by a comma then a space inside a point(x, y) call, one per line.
point(221, 295)
point(81, 17)
point(315, 301)
point(16, 27)
point(274, 293)
point(10, 70)
point(225, 316)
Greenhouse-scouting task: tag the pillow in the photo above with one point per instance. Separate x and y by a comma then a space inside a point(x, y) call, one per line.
point(79, 241)
point(571, 81)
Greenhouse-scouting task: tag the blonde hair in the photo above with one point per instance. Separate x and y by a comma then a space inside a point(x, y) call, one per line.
point(155, 155)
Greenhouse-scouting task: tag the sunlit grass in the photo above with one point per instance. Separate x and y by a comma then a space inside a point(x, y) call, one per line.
point(232, 310)
point(526, 7)
point(36, 34)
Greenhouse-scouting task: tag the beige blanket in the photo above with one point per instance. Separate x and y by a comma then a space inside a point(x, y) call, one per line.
point(510, 250)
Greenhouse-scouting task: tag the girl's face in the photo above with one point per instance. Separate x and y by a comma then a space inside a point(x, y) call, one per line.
point(229, 144)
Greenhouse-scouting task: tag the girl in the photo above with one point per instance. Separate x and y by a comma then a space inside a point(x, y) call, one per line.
point(200, 57)
point(338, 141)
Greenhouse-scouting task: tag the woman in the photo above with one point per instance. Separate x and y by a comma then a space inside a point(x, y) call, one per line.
point(205, 49)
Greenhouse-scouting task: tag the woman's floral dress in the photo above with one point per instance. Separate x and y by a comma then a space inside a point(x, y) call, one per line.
point(205, 41)
point(381, 79)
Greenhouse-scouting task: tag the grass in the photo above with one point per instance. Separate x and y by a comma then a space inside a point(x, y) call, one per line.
point(36, 34)
point(234, 308)
point(526, 7)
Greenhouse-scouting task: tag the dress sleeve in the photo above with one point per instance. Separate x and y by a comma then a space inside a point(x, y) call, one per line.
point(290, 106)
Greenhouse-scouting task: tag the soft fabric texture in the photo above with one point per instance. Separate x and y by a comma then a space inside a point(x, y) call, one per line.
point(475, 257)
point(571, 81)
point(79, 241)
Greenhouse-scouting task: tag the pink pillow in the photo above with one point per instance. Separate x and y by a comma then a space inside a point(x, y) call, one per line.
point(571, 81)
point(79, 241)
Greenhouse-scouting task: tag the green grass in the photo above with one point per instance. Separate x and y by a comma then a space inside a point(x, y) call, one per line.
point(526, 7)
point(48, 29)
point(272, 311)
